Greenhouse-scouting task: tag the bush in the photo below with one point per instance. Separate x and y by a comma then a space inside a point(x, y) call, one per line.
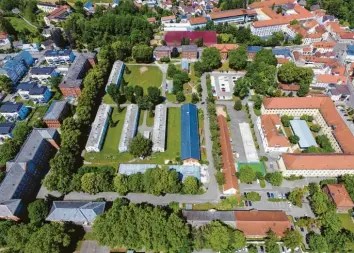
point(253, 196)
point(285, 120)
point(165, 59)
point(294, 139)
point(306, 117)
point(315, 128)
point(275, 178)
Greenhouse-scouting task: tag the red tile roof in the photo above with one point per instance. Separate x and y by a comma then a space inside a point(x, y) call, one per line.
point(324, 44)
point(289, 87)
point(166, 18)
point(227, 156)
point(57, 12)
point(225, 47)
point(332, 161)
point(174, 38)
point(327, 78)
point(256, 223)
point(268, 3)
point(339, 195)
point(274, 139)
point(198, 20)
point(231, 13)
point(326, 106)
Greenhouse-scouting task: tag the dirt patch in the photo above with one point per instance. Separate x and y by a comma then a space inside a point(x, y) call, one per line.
point(220, 110)
point(143, 69)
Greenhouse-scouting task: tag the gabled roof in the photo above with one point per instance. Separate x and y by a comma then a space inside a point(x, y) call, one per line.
point(255, 223)
point(55, 110)
point(198, 21)
point(339, 195)
point(274, 139)
point(8, 208)
point(228, 161)
point(75, 211)
point(38, 90)
point(6, 127)
point(42, 71)
point(209, 37)
point(26, 86)
point(9, 107)
point(189, 132)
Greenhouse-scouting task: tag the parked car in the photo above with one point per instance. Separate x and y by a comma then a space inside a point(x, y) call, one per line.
point(268, 194)
point(250, 203)
point(279, 195)
point(245, 194)
point(246, 203)
point(222, 197)
point(272, 195)
point(262, 249)
point(302, 229)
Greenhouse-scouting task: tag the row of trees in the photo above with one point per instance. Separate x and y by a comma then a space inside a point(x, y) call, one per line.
point(64, 163)
point(156, 181)
point(157, 229)
point(248, 175)
point(215, 133)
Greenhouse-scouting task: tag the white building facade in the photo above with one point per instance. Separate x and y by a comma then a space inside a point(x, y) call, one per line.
point(129, 128)
point(159, 131)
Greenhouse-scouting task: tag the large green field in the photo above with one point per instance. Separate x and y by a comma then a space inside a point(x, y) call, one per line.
point(109, 154)
point(20, 25)
point(144, 76)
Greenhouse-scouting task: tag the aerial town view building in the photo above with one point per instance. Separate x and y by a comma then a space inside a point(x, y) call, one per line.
point(177, 126)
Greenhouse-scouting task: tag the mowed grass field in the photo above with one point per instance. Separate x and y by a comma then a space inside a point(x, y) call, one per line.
point(109, 154)
point(257, 167)
point(19, 24)
point(144, 76)
point(347, 222)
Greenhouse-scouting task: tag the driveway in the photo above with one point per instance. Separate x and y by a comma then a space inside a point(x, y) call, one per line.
point(93, 247)
point(236, 117)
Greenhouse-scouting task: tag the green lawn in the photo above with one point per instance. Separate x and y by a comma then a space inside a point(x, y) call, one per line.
point(109, 154)
point(346, 221)
point(151, 77)
point(257, 167)
point(141, 118)
point(19, 24)
point(225, 66)
point(37, 113)
point(149, 121)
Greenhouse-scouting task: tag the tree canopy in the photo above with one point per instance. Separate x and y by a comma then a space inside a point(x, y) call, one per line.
point(140, 146)
point(142, 226)
point(247, 175)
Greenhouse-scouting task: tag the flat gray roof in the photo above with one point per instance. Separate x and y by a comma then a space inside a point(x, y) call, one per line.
point(55, 110)
point(129, 169)
point(129, 127)
point(115, 73)
point(98, 129)
point(302, 130)
point(159, 131)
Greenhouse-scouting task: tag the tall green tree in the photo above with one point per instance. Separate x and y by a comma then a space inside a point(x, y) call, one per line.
point(140, 147)
point(238, 58)
point(5, 83)
point(211, 58)
point(247, 175)
point(142, 53)
point(292, 239)
point(37, 211)
point(317, 242)
point(190, 185)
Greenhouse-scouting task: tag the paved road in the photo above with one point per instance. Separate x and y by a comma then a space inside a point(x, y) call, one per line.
point(236, 117)
point(93, 247)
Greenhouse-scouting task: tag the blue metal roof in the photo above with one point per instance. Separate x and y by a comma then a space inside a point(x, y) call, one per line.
point(350, 49)
point(301, 129)
point(9, 107)
point(189, 132)
point(38, 90)
point(185, 171)
point(88, 5)
point(282, 51)
point(6, 127)
point(65, 52)
point(42, 71)
point(26, 86)
point(254, 49)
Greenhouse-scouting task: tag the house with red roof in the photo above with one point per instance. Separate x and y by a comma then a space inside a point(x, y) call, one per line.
point(339, 195)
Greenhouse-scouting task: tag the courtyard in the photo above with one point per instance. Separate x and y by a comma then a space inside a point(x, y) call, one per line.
point(109, 154)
